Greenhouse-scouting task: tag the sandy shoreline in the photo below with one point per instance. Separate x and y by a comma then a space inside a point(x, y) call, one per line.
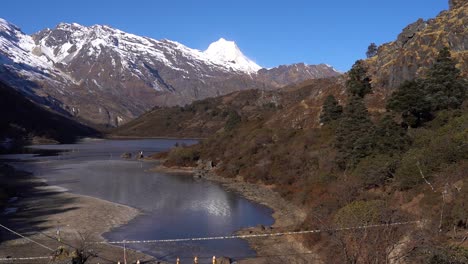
point(286, 215)
point(43, 209)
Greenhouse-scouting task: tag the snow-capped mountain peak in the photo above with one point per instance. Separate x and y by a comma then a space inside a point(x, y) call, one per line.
point(69, 66)
point(16, 47)
point(227, 52)
point(224, 49)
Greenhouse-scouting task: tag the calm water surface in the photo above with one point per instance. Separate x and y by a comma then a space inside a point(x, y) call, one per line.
point(173, 206)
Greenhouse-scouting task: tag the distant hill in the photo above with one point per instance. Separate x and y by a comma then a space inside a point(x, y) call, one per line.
point(289, 106)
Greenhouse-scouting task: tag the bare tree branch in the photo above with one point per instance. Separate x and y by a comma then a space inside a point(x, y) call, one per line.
point(424, 178)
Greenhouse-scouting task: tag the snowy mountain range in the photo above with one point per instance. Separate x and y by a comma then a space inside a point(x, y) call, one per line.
point(106, 76)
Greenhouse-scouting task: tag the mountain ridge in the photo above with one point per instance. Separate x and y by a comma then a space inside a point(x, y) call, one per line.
point(108, 77)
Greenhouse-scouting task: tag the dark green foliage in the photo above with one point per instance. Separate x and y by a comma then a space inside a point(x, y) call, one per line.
point(452, 255)
point(232, 121)
point(444, 87)
point(371, 50)
point(389, 137)
point(360, 213)
point(357, 137)
point(331, 110)
point(354, 134)
point(433, 151)
point(376, 170)
point(358, 82)
point(410, 100)
point(377, 153)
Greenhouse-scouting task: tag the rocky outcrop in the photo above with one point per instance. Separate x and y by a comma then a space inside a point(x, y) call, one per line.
point(456, 3)
point(204, 169)
point(417, 46)
point(410, 31)
point(223, 260)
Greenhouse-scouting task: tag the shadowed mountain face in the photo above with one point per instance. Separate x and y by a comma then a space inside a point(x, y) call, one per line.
point(107, 76)
point(25, 120)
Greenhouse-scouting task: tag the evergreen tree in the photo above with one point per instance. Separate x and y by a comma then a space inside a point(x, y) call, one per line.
point(443, 85)
point(354, 134)
point(389, 137)
point(371, 50)
point(232, 121)
point(410, 100)
point(358, 82)
point(331, 110)
point(442, 88)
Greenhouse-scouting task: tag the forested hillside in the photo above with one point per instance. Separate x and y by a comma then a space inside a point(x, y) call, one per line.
point(406, 164)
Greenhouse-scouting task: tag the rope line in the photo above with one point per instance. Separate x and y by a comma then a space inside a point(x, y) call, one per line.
point(25, 258)
point(18, 234)
point(251, 235)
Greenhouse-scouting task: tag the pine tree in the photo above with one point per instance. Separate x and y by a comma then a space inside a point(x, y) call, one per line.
point(358, 82)
point(410, 100)
point(389, 137)
point(442, 88)
point(354, 134)
point(331, 110)
point(371, 50)
point(443, 85)
point(232, 121)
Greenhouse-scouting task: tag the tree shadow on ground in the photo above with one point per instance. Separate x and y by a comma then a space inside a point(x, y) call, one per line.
point(31, 211)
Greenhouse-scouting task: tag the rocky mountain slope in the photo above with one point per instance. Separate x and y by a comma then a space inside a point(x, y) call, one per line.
point(107, 76)
point(416, 46)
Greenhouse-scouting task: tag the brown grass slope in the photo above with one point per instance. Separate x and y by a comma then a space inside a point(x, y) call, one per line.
point(206, 117)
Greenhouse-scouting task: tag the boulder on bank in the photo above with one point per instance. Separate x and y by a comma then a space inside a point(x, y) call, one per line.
point(203, 169)
point(126, 155)
point(223, 260)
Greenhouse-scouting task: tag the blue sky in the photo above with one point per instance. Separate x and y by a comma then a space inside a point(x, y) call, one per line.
point(269, 32)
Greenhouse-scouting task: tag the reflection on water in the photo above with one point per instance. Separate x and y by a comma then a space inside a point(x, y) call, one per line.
point(174, 206)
